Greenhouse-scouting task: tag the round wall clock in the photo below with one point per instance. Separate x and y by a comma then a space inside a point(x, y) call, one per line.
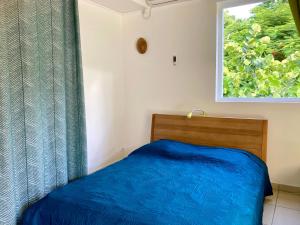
point(141, 46)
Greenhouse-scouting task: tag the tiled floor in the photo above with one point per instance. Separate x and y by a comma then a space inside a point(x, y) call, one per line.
point(283, 208)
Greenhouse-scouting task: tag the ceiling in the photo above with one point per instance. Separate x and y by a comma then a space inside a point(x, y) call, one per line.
point(125, 6)
point(121, 6)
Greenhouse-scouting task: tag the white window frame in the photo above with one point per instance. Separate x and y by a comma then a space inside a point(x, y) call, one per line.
point(220, 57)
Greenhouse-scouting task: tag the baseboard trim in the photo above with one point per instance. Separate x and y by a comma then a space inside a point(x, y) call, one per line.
point(285, 188)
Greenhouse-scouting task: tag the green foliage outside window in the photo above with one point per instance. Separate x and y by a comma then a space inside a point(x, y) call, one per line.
point(262, 53)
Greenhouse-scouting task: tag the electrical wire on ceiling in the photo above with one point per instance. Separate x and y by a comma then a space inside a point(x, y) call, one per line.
point(147, 11)
point(149, 4)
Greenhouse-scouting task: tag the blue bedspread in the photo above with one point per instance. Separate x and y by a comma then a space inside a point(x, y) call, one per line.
point(163, 183)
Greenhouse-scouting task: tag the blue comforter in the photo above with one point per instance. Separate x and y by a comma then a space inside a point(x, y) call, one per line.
point(163, 183)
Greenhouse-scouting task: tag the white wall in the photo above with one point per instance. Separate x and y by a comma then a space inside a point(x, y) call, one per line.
point(153, 84)
point(123, 88)
point(101, 43)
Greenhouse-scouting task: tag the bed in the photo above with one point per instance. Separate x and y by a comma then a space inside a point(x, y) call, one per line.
point(199, 171)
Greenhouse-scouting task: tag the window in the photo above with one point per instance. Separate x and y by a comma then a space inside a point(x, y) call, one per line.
point(258, 52)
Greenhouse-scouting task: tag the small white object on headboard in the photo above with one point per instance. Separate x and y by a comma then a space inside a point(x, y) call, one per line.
point(190, 114)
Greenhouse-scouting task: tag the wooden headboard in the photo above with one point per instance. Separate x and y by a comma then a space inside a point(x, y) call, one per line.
point(246, 134)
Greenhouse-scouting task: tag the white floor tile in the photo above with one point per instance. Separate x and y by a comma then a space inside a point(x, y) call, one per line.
point(268, 214)
point(288, 200)
point(272, 199)
point(284, 216)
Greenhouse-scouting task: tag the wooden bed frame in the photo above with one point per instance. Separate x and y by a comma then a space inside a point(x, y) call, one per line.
point(246, 134)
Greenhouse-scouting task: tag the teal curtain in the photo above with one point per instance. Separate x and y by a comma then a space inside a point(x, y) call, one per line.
point(42, 125)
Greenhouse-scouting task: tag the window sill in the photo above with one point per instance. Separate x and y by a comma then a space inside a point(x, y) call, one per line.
point(258, 100)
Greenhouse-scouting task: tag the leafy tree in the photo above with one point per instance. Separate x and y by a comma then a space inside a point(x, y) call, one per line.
point(262, 53)
point(277, 22)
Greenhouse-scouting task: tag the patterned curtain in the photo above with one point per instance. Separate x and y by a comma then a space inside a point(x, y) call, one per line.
point(295, 7)
point(42, 125)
